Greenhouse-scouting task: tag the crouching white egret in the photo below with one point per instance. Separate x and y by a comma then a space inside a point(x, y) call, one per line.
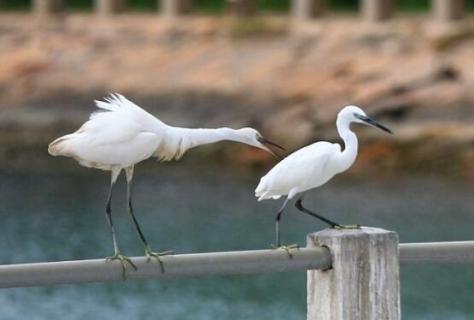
point(121, 134)
point(313, 165)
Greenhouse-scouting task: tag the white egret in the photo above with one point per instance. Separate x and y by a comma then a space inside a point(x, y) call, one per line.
point(122, 134)
point(313, 166)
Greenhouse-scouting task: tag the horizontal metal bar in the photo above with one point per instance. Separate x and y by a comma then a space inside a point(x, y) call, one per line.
point(437, 252)
point(216, 263)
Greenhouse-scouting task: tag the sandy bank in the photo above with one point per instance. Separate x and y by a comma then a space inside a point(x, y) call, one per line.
point(289, 81)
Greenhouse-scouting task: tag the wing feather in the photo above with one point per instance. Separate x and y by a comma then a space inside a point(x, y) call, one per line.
point(302, 170)
point(121, 133)
point(117, 103)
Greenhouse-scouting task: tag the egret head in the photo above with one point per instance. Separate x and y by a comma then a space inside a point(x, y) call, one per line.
point(254, 138)
point(356, 114)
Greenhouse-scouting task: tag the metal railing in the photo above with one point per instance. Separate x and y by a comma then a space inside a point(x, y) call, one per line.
point(215, 263)
point(196, 264)
point(437, 252)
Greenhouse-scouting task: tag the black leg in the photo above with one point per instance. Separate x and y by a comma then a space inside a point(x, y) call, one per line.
point(299, 206)
point(108, 210)
point(148, 252)
point(277, 223)
point(134, 219)
point(108, 214)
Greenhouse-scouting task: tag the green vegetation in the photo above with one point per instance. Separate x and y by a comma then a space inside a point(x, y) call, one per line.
point(255, 27)
point(215, 6)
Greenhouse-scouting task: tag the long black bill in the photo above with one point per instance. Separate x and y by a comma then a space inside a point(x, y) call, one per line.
point(268, 142)
point(372, 123)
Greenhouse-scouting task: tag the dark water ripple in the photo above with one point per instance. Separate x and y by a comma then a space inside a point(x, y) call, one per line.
point(46, 217)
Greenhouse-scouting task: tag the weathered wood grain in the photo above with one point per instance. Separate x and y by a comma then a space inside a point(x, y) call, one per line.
point(363, 283)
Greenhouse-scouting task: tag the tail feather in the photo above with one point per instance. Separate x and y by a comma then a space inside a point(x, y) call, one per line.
point(265, 191)
point(267, 195)
point(59, 146)
point(260, 191)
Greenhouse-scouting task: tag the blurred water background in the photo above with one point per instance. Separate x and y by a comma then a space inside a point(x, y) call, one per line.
point(53, 216)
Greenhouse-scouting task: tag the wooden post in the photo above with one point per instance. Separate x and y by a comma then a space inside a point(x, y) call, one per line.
point(363, 283)
point(242, 7)
point(448, 10)
point(105, 7)
point(307, 9)
point(377, 10)
point(173, 8)
point(45, 7)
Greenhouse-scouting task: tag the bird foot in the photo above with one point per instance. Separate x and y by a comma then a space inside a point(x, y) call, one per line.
point(156, 255)
point(123, 261)
point(349, 226)
point(287, 248)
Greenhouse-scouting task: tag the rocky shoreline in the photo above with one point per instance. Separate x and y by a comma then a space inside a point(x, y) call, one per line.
point(288, 81)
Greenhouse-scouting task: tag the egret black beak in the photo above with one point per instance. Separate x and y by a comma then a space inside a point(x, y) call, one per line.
point(373, 123)
point(266, 146)
point(266, 142)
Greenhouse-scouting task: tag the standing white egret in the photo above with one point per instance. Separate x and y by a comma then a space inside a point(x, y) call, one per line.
point(313, 165)
point(122, 134)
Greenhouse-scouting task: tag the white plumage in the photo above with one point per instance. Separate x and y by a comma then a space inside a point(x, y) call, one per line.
point(118, 136)
point(121, 134)
point(314, 165)
point(296, 172)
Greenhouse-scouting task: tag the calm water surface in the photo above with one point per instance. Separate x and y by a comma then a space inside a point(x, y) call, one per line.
point(53, 216)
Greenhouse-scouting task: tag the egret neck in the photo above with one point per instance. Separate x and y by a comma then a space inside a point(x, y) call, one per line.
point(348, 156)
point(196, 137)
